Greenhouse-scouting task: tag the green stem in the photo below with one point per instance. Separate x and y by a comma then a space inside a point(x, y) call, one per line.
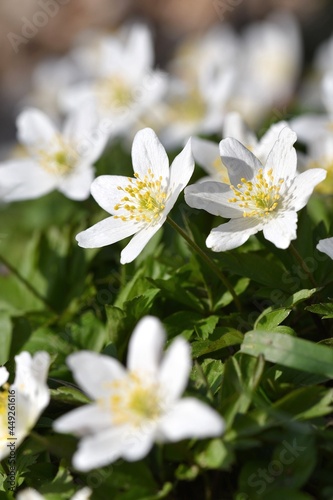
point(208, 261)
point(26, 283)
point(303, 265)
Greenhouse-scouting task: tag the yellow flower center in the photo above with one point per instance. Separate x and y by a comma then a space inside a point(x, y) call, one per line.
point(190, 109)
point(258, 198)
point(134, 401)
point(60, 158)
point(3, 413)
point(114, 93)
point(144, 199)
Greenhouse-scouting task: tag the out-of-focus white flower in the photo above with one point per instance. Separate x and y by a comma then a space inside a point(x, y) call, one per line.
point(54, 159)
point(124, 85)
point(270, 63)
point(132, 409)
point(206, 153)
point(22, 403)
point(31, 494)
point(260, 197)
point(140, 204)
point(326, 246)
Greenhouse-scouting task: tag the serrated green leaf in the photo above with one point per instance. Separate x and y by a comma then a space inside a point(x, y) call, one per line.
point(229, 336)
point(324, 309)
point(270, 319)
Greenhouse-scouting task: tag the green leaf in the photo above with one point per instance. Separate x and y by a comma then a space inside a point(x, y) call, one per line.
point(324, 309)
point(89, 333)
point(69, 395)
point(269, 319)
point(205, 326)
point(229, 337)
point(216, 455)
point(5, 337)
point(290, 351)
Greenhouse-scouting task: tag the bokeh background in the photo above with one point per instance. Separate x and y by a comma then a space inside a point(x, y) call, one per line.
point(170, 21)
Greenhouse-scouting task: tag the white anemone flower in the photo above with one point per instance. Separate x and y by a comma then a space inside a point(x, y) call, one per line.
point(326, 246)
point(124, 85)
point(23, 402)
point(140, 204)
point(261, 197)
point(54, 160)
point(132, 409)
point(206, 153)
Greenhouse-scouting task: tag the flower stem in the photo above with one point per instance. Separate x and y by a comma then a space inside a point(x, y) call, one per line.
point(208, 261)
point(26, 283)
point(303, 265)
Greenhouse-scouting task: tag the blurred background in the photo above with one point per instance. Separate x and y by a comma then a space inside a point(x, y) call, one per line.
point(169, 20)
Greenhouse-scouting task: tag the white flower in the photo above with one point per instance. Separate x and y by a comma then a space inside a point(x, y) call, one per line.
point(54, 160)
point(140, 204)
point(31, 494)
point(124, 85)
point(206, 153)
point(132, 409)
point(23, 401)
point(260, 197)
point(326, 246)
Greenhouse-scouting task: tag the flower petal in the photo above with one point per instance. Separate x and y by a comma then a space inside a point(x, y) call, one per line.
point(106, 232)
point(100, 449)
point(77, 186)
point(212, 197)
point(266, 143)
point(82, 421)
point(25, 180)
point(326, 246)
point(235, 127)
point(146, 345)
point(138, 442)
point(173, 382)
point(206, 153)
point(148, 153)
point(108, 190)
point(138, 242)
point(239, 161)
point(303, 186)
point(35, 129)
point(93, 372)
point(4, 375)
point(282, 229)
point(180, 173)
point(283, 159)
point(190, 418)
point(310, 126)
point(232, 234)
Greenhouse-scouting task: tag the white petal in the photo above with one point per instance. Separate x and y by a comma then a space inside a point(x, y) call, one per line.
point(87, 419)
point(93, 372)
point(138, 442)
point(326, 246)
point(303, 186)
point(309, 127)
point(140, 49)
point(180, 173)
point(138, 242)
point(30, 379)
point(206, 153)
point(99, 450)
point(173, 381)
point(83, 494)
point(239, 161)
point(29, 494)
point(25, 180)
point(35, 129)
point(283, 159)
point(232, 234)
point(4, 374)
point(212, 197)
point(282, 229)
point(235, 127)
point(77, 185)
point(148, 153)
point(190, 418)
point(105, 191)
point(146, 345)
point(266, 143)
point(106, 232)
